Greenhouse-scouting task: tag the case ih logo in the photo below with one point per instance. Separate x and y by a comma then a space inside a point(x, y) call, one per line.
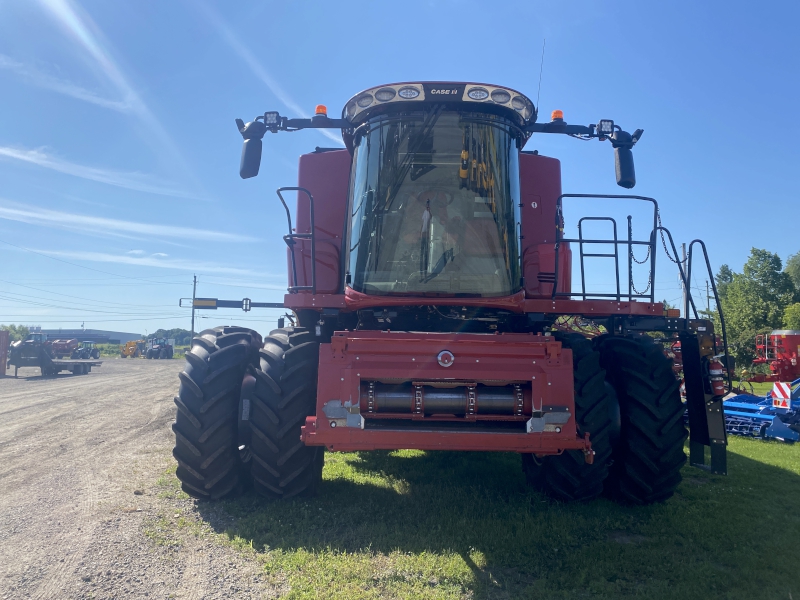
point(433, 91)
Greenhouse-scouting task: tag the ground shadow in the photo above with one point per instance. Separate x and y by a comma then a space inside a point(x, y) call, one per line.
point(447, 502)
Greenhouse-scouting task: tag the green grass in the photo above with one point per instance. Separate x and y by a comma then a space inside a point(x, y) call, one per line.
point(411, 524)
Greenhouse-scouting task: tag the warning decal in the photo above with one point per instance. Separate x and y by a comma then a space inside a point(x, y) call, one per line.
point(781, 395)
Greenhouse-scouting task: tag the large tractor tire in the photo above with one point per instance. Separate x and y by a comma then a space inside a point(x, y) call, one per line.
point(282, 392)
point(568, 477)
point(206, 431)
point(647, 460)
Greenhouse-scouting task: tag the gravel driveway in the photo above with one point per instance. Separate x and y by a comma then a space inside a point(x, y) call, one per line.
point(85, 492)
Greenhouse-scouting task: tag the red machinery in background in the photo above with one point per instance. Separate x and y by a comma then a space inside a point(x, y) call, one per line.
point(779, 350)
point(64, 348)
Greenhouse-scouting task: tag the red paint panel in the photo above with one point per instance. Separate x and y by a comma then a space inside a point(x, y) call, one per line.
point(540, 187)
point(342, 439)
point(327, 176)
point(538, 362)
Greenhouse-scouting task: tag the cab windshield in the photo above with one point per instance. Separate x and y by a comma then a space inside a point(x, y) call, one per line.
point(434, 205)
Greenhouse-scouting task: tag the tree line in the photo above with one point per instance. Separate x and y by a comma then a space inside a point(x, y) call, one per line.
point(763, 297)
point(182, 337)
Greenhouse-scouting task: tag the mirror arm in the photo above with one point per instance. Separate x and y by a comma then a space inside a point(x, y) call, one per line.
point(561, 127)
point(313, 123)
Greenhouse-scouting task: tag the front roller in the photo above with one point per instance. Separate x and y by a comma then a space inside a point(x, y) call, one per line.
point(649, 456)
point(276, 398)
point(206, 432)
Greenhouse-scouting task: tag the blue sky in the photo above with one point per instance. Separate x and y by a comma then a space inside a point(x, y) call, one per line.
point(119, 155)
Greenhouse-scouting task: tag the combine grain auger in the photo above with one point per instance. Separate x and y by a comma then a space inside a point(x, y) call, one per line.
point(430, 279)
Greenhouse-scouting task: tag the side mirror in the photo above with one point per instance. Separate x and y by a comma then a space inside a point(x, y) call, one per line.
point(251, 148)
point(251, 158)
point(623, 158)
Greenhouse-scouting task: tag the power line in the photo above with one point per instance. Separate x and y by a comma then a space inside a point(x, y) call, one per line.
point(77, 265)
point(77, 297)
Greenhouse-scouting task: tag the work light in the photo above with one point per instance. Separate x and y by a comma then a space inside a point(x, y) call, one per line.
point(605, 127)
point(272, 120)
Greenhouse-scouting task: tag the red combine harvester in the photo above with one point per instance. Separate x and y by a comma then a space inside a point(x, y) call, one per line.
point(779, 350)
point(431, 283)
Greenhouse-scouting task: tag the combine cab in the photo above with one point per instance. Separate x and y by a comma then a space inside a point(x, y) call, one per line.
point(431, 284)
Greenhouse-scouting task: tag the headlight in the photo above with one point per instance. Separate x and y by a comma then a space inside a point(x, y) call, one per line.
point(518, 103)
point(408, 93)
point(385, 94)
point(478, 94)
point(501, 96)
point(365, 100)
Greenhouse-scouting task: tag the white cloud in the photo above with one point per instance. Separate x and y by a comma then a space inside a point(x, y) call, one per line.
point(60, 86)
point(160, 255)
point(176, 264)
point(232, 40)
point(135, 252)
point(128, 180)
point(79, 25)
point(103, 225)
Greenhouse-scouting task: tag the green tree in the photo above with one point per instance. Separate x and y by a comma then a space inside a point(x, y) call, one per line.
point(793, 268)
point(16, 332)
point(791, 316)
point(723, 278)
point(754, 301)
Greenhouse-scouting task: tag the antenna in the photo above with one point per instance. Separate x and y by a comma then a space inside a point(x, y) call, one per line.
point(541, 68)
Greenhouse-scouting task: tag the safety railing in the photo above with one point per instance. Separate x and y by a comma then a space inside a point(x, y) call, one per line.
point(291, 238)
point(615, 242)
point(716, 297)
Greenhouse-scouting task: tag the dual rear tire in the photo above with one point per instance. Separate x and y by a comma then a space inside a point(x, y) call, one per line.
point(627, 399)
point(240, 408)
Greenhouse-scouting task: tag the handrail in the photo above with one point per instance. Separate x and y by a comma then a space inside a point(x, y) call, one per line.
point(291, 237)
point(583, 255)
point(716, 298)
point(616, 242)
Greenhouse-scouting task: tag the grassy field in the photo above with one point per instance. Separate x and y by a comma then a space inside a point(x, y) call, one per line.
point(411, 524)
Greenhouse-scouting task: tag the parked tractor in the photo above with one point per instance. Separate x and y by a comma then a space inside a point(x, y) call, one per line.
point(133, 349)
point(160, 348)
point(87, 350)
point(434, 308)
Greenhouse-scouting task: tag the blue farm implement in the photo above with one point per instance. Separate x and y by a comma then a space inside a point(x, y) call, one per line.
point(760, 416)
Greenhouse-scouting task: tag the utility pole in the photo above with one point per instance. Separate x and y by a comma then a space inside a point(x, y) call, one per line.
point(708, 298)
point(683, 285)
point(194, 293)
